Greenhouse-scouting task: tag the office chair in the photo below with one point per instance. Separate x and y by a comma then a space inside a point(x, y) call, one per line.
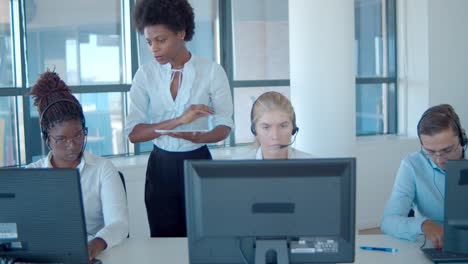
point(125, 189)
point(123, 181)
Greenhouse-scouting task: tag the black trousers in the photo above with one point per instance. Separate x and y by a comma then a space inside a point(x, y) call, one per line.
point(164, 191)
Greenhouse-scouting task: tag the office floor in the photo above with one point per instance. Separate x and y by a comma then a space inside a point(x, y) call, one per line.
point(370, 231)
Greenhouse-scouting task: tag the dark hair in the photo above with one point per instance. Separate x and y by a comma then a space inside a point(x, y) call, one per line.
point(439, 118)
point(55, 102)
point(177, 15)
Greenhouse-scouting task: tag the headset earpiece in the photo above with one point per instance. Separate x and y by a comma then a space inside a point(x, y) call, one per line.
point(463, 138)
point(295, 130)
point(252, 128)
point(252, 124)
point(47, 143)
point(44, 135)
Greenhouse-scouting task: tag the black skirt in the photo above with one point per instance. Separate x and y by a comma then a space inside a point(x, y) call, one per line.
point(164, 190)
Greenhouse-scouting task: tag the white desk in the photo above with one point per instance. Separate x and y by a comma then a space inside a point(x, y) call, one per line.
point(175, 251)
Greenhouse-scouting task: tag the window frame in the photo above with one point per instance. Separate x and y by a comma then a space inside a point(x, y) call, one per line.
point(20, 89)
point(227, 58)
point(391, 95)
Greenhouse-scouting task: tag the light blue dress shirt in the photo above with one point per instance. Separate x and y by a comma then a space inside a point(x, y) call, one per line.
point(420, 184)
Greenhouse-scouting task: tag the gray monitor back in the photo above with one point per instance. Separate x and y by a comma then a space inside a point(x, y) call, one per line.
point(456, 207)
point(230, 204)
point(46, 207)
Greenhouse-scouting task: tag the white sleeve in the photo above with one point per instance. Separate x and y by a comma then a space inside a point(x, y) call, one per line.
point(139, 103)
point(114, 206)
point(221, 98)
point(395, 220)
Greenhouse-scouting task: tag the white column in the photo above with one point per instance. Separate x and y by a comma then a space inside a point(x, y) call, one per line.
point(448, 55)
point(323, 75)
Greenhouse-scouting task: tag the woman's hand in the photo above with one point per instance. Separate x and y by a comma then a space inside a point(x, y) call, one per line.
point(95, 246)
point(195, 111)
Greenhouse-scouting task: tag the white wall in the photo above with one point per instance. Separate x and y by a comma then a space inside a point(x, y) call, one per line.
point(448, 54)
point(322, 75)
point(413, 63)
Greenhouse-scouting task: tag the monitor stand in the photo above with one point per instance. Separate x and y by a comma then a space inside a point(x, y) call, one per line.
point(267, 250)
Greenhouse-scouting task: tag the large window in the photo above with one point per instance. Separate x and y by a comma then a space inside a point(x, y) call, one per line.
point(255, 45)
point(94, 48)
point(376, 86)
point(9, 138)
point(82, 41)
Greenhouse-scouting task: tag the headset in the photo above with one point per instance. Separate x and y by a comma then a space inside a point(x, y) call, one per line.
point(252, 123)
point(450, 116)
point(45, 135)
point(460, 133)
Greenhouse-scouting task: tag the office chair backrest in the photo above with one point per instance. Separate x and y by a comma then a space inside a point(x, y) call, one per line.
point(123, 181)
point(125, 189)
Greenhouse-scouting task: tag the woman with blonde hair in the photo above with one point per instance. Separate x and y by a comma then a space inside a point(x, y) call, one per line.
point(273, 123)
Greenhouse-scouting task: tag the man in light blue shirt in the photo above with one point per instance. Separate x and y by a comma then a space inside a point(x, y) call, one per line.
point(420, 182)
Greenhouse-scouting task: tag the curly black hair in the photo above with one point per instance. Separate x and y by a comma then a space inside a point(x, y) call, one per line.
point(55, 102)
point(177, 15)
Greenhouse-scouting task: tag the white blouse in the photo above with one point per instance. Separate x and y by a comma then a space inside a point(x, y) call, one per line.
point(203, 82)
point(292, 154)
point(104, 199)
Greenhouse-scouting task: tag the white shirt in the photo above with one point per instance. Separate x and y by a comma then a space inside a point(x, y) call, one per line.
point(203, 82)
point(292, 154)
point(104, 199)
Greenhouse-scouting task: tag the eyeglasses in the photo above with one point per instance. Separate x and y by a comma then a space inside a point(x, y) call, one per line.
point(444, 153)
point(76, 140)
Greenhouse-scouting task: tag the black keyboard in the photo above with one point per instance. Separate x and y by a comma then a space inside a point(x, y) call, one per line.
point(440, 256)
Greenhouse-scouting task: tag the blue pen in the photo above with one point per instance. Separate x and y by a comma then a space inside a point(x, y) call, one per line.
point(392, 250)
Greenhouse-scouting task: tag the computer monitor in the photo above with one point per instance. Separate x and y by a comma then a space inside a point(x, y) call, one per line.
point(262, 211)
point(456, 207)
point(42, 217)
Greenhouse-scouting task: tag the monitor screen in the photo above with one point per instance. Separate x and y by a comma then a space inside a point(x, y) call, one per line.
point(42, 217)
point(456, 207)
point(260, 211)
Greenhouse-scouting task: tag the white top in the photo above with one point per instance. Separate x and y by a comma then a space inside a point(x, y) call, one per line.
point(292, 154)
point(203, 82)
point(104, 200)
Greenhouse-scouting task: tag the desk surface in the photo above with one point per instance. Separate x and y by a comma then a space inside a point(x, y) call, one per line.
point(174, 250)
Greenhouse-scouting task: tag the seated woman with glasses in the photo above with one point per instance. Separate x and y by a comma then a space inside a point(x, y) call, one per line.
point(420, 182)
point(64, 131)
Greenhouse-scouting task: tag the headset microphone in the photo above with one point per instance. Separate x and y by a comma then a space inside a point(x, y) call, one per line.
point(292, 142)
point(285, 146)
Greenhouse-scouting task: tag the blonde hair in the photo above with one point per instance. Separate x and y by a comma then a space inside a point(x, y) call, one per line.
point(271, 101)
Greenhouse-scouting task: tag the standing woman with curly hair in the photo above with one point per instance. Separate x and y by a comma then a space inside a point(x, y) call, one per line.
point(173, 90)
point(64, 130)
